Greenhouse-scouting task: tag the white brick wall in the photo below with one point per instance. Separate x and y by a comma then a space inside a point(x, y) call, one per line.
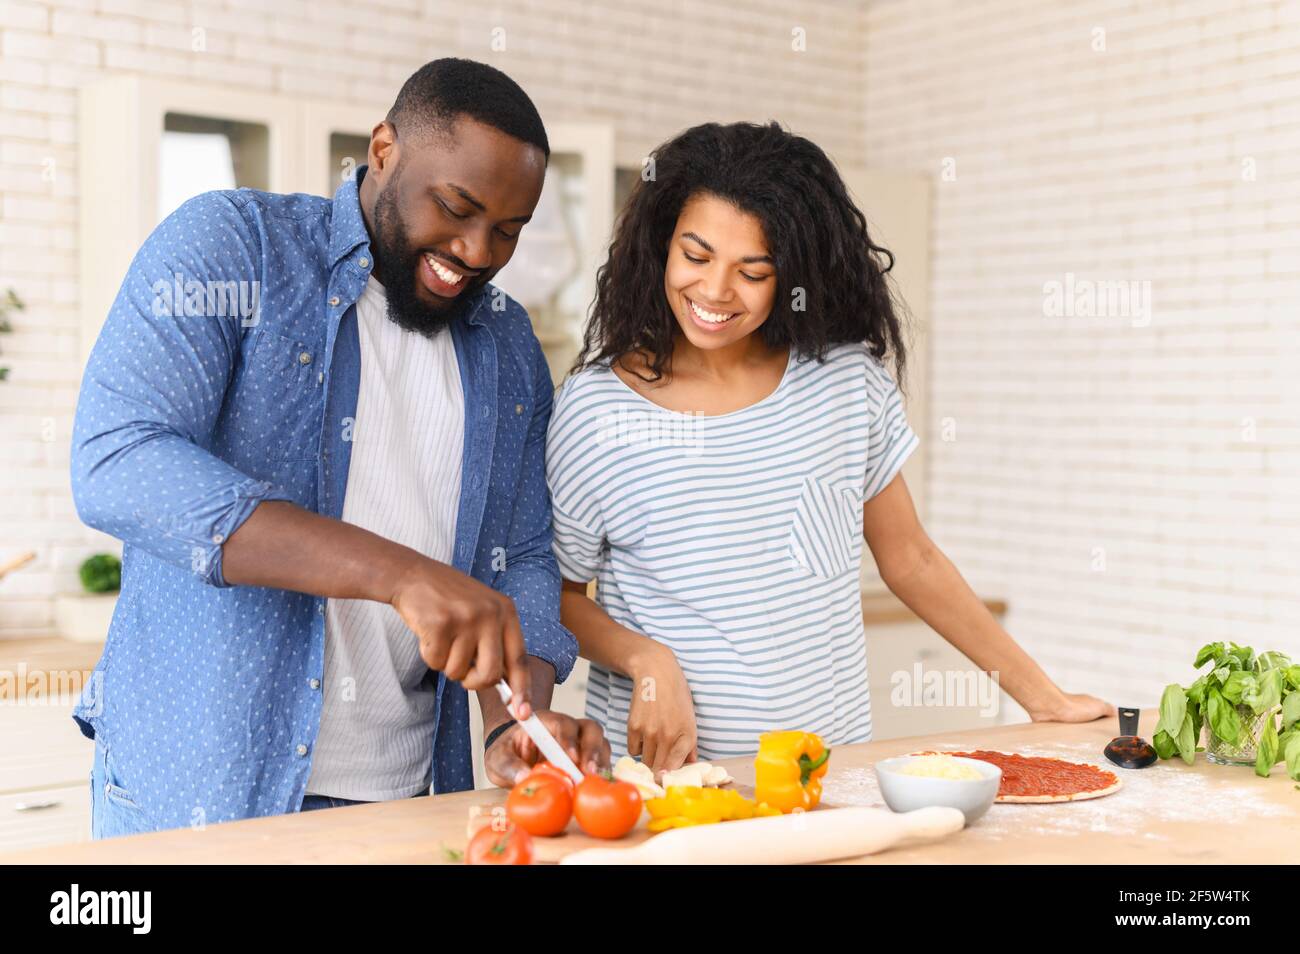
point(1075, 437)
point(1130, 488)
point(649, 69)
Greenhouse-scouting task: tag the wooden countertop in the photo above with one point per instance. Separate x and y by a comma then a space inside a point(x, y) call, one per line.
point(49, 654)
point(1169, 813)
point(880, 608)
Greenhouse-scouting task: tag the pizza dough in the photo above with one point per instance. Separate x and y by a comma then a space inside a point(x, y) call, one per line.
point(1027, 779)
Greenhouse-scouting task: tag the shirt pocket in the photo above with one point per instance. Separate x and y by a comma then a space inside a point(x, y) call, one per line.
point(113, 788)
point(823, 529)
point(114, 811)
point(286, 422)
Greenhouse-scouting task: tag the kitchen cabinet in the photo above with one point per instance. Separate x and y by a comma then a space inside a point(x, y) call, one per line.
point(43, 755)
point(65, 820)
point(902, 651)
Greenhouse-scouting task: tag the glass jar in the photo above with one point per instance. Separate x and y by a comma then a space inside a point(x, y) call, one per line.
point(1221, 752)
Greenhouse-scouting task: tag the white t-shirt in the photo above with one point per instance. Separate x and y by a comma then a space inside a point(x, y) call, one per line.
point(733, 539)
point(377, 716)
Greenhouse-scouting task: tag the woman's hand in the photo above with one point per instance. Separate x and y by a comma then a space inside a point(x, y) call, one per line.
point(1073, 708)
point(661, 723)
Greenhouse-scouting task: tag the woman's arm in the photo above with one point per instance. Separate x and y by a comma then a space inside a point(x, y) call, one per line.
point(919, 574)
point(661, 722)
point(600, 639)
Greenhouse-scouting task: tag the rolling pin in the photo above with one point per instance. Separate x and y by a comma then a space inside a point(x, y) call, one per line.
point(797, 839)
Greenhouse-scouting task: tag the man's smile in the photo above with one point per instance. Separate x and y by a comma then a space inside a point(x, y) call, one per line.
point(440, 278)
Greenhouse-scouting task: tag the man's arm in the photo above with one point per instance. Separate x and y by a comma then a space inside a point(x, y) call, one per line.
point(466, 630)
point(153, 390)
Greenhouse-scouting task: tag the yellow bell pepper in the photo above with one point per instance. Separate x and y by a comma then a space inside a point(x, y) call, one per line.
point(788, 770)
point(686, 805)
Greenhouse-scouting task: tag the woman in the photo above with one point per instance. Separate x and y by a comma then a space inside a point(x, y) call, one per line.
point(728, 438)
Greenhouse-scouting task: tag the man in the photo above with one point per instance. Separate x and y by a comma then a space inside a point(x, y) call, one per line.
point(334, 510)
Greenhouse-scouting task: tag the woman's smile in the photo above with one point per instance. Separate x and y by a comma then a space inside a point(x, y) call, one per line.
point(709, 319)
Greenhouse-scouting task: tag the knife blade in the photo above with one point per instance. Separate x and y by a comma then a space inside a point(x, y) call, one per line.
point(542, 738)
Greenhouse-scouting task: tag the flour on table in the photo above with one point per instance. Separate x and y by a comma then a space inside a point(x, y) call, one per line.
point(1164, 792)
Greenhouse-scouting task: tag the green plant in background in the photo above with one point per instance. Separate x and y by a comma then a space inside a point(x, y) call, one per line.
point(101, 573)
point(1267, 685)
point(9, 303)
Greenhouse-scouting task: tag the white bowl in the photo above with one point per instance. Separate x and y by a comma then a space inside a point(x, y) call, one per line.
point(905, 793)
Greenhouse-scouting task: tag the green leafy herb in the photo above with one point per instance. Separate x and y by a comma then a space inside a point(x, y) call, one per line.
point(1266, 752)
point(1173, 705)
point(1237, 685)
point(1290, 710)
point(1267, 684)
point(102, 573)
point(1208, 651)
point(1163, 743)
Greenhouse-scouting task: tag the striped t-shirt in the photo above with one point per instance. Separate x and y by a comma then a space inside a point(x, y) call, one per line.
point(735, 539)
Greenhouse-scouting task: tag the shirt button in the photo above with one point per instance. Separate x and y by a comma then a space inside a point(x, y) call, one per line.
point(487, 412)
point(364, 262)
point(334, 300)
point(320, 377)
point(519, 409)
point(304, 358)
point(315, 683)
point(218, 538)
point(302, 749)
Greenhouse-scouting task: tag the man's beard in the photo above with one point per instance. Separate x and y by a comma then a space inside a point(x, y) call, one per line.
point(405, 307)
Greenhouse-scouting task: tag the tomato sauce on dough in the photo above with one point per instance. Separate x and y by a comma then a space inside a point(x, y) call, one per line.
point(1030, 775)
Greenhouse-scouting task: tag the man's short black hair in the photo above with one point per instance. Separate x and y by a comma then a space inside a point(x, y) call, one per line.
point(441, 91)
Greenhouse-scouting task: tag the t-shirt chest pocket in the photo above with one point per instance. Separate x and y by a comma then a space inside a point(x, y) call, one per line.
point(826, 521)
point(286, 381)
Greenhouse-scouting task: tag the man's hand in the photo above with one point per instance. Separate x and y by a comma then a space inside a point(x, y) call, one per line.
point(512, 754)
point(661, 722)
point(467, 630)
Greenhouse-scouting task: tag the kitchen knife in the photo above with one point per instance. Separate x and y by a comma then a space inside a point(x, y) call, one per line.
point(542, 738)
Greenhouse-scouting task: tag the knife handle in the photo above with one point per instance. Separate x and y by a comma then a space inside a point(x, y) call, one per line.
point(1128, 721)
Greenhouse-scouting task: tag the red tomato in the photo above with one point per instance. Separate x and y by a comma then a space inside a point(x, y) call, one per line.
point(550, 771)
point(540, 805)
point(513, 846)
point(606, 808)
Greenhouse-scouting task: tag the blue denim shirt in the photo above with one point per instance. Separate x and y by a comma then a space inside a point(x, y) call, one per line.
point(195, 407)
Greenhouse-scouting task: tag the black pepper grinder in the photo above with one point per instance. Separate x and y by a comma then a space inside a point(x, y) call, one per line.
point(1129, 750)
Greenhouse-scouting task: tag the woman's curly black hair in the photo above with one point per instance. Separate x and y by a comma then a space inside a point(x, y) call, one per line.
point(816, 236)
